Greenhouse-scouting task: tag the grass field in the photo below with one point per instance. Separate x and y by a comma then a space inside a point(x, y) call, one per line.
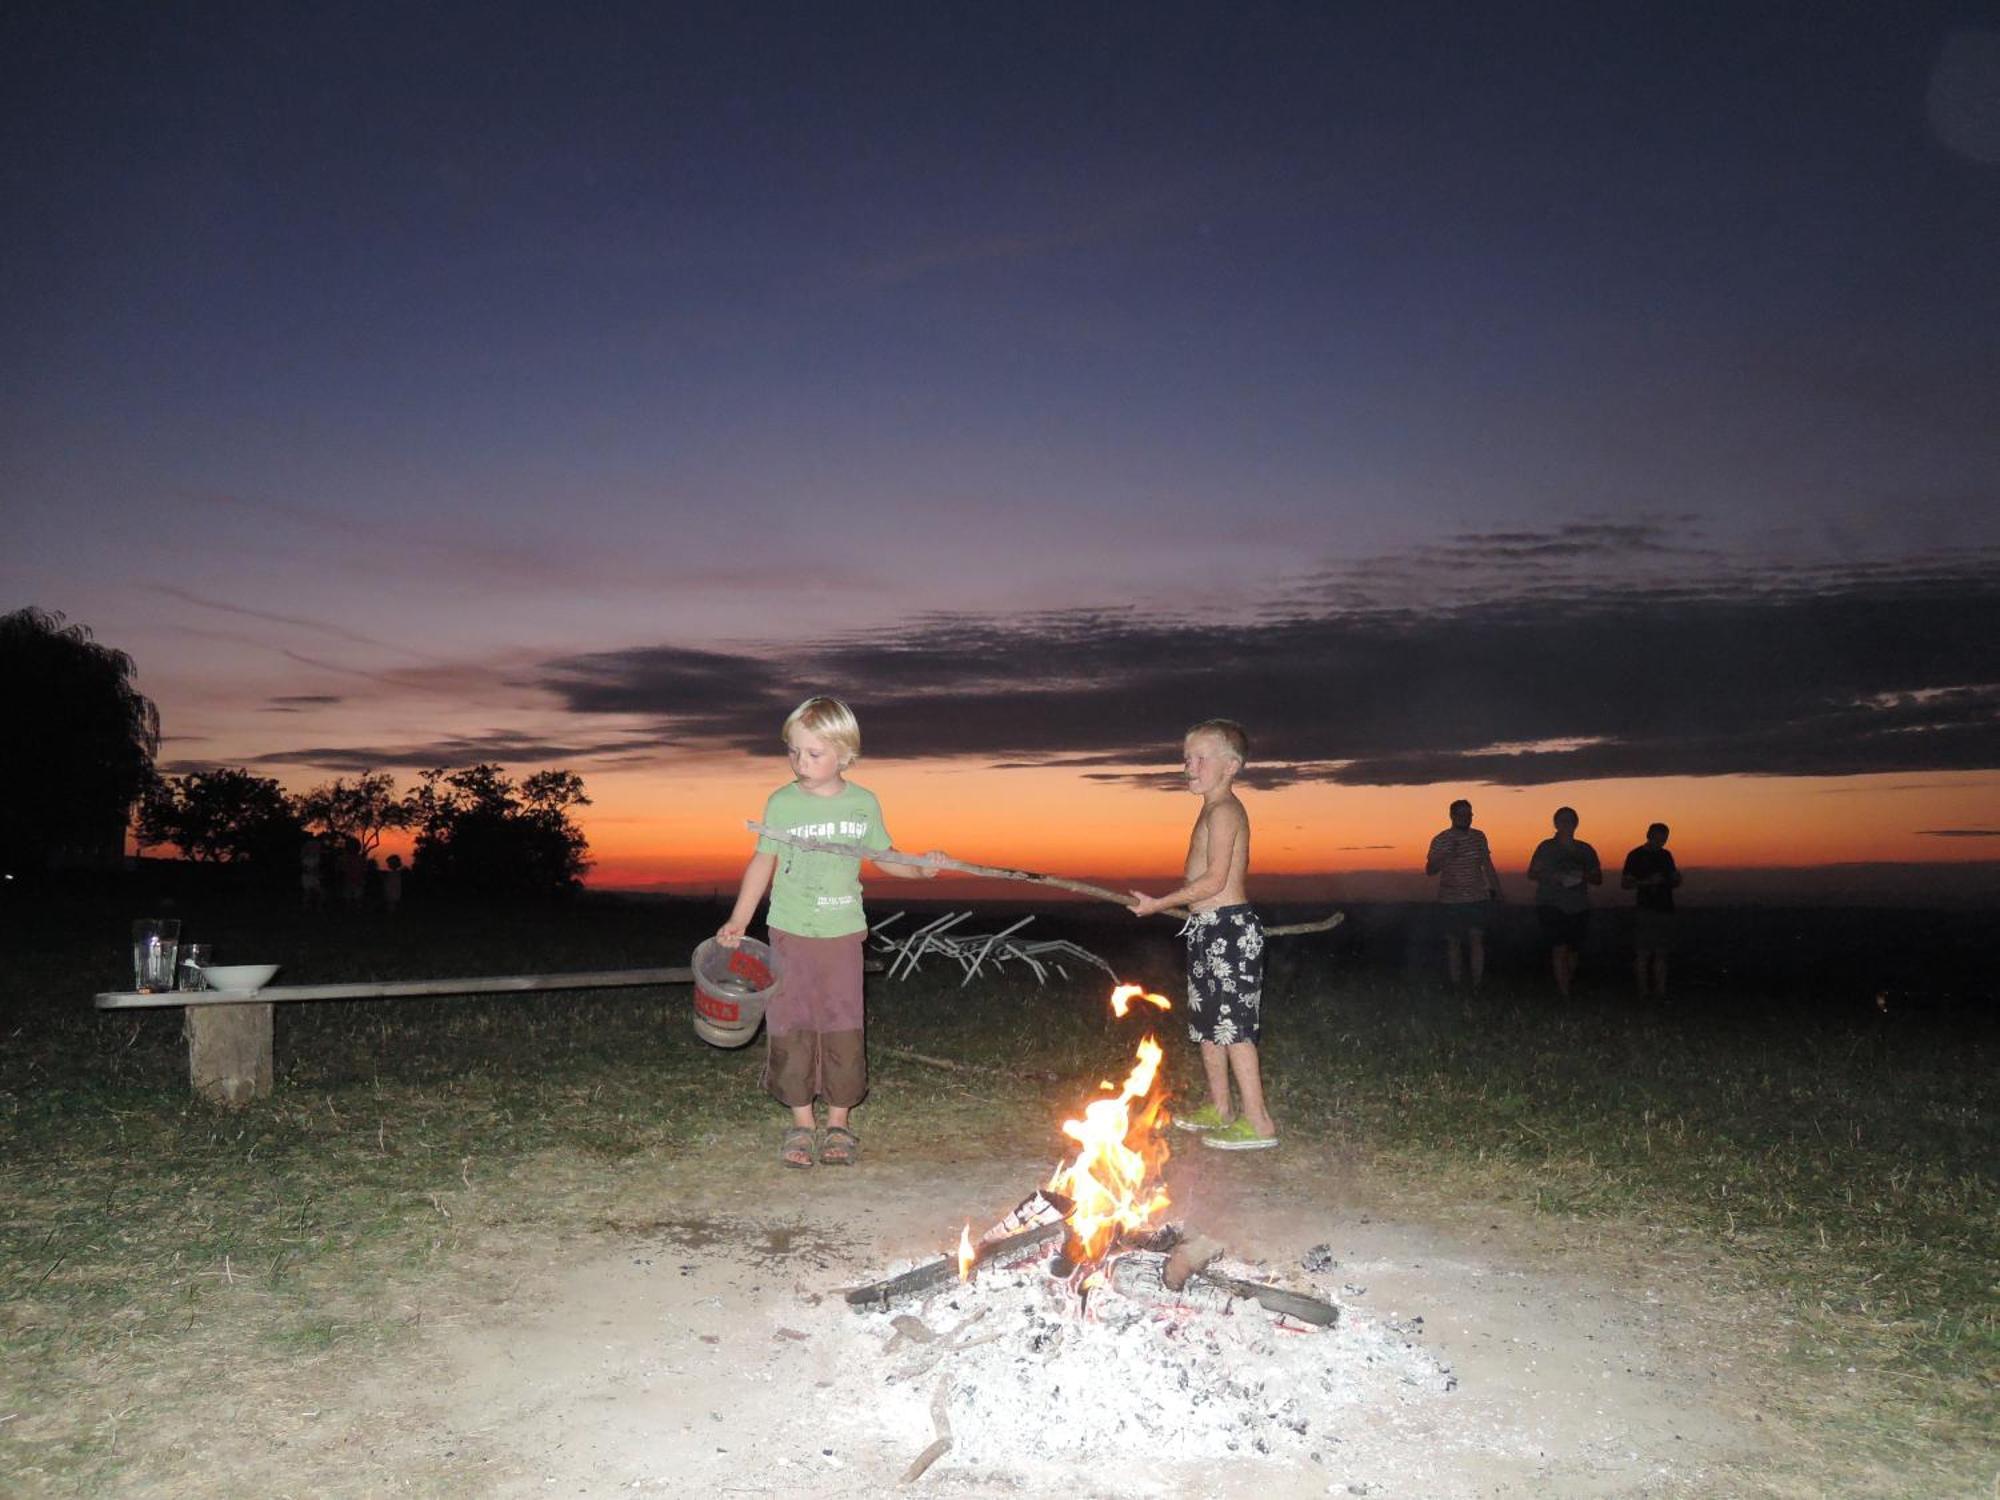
point(1839, 1159)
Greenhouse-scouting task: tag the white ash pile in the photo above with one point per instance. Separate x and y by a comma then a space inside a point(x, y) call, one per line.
point(1030, 1370)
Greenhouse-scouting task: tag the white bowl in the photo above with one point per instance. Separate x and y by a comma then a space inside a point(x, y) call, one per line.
point(238, 976)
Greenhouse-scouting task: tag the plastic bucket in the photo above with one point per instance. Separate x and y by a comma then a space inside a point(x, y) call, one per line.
point(731, 988)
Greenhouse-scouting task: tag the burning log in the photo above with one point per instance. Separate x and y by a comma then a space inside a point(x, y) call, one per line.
point(945, 1268)
point(1275, 1299)
point(1186, 1259)
point(1143, 1274)
point(999, 872)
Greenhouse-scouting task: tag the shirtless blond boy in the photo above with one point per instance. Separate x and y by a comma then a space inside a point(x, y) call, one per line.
point(1225, 943)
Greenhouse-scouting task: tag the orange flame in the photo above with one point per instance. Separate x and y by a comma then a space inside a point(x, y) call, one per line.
point(1125, 994)
point(965, 1253)
point(1114, 1179)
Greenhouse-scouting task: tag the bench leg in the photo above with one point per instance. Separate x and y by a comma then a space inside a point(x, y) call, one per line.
point(229, 1052)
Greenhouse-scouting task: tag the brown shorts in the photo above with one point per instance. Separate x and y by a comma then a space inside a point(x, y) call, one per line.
point(813, 1023)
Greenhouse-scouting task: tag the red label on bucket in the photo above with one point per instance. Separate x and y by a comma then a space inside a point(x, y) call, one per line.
point(750, 967)
point(715, 1008)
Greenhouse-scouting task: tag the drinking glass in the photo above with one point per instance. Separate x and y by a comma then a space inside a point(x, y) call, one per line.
point(194, 958)
point(155, 941)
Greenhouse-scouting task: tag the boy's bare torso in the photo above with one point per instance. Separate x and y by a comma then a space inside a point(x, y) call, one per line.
point(1222, 825)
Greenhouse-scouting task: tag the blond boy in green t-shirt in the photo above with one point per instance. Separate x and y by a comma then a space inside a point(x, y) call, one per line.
point(813, 1024)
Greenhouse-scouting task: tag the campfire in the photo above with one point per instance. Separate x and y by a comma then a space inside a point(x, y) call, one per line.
point(1104, 1206)
point(1086, 1270)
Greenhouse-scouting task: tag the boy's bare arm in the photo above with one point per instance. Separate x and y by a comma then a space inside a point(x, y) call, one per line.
point(756, 881)
point(911, 872)
point(1227, 826)
point(901, 871)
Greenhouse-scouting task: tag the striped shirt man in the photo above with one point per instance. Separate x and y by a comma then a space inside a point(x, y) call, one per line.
point(1459, 857)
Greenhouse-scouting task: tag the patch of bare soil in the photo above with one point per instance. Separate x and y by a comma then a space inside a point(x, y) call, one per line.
point(700, 1345)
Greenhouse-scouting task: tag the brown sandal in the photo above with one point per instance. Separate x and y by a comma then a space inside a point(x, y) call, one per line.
point(797, 1150)
point(839, 1147)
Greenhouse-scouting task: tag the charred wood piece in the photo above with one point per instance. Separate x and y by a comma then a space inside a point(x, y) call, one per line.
point(1187, 1259)
point(1275, 1299)
point(944, 1270)
point(910, 1330)
point(941, 1423)
point(1142, 1274)
point(951, 1343)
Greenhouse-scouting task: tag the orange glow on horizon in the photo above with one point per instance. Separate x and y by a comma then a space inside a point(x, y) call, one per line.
point(686, 830)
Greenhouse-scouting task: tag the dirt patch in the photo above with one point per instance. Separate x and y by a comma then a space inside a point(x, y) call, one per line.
point(700, 1345)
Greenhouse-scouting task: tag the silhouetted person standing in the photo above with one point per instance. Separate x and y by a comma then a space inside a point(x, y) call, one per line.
point(312, 858)
point(1651, 872)
point(1564, 868)
point(351, 867)
point(1468, 886)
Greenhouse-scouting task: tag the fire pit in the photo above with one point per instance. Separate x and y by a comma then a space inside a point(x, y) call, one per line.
point(1082, 1322)
point(1026, 1384)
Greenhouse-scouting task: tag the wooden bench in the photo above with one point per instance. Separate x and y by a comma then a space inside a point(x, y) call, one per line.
point(229, 1031)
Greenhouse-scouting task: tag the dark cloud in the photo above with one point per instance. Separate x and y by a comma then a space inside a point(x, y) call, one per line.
point(1958, 833)
point(1593, 650)
point(292, 703)
point(705, 695)
point(503, 748)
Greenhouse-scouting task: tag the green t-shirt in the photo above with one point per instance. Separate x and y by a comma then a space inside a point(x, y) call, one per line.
point(814, 894)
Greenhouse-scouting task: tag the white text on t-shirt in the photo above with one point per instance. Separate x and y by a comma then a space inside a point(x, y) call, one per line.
point(847, 828)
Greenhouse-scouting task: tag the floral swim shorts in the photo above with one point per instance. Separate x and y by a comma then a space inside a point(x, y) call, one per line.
point(1225, 961)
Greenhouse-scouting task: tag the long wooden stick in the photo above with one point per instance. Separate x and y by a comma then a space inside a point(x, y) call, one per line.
point(1000, 872)
point(943, 862)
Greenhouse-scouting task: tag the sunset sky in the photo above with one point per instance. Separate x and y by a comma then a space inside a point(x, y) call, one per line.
point(1564, 403)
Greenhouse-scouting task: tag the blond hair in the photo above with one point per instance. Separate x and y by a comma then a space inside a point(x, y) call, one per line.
point(1234, 740)
point(830, 719)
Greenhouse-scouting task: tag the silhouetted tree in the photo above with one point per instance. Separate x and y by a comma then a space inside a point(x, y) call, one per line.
point(479, 833)
point(223, 816)
point(77, 741)
point(363, 809)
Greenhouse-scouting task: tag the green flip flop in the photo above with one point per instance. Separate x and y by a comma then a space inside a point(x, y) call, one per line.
point(1208, 1117)
point(1239, 1135)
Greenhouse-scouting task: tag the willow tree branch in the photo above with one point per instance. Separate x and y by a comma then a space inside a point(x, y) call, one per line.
point(1000, 872)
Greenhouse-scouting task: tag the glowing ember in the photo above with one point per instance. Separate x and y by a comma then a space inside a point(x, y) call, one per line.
point(965, 1253)
point(1114, 1177)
